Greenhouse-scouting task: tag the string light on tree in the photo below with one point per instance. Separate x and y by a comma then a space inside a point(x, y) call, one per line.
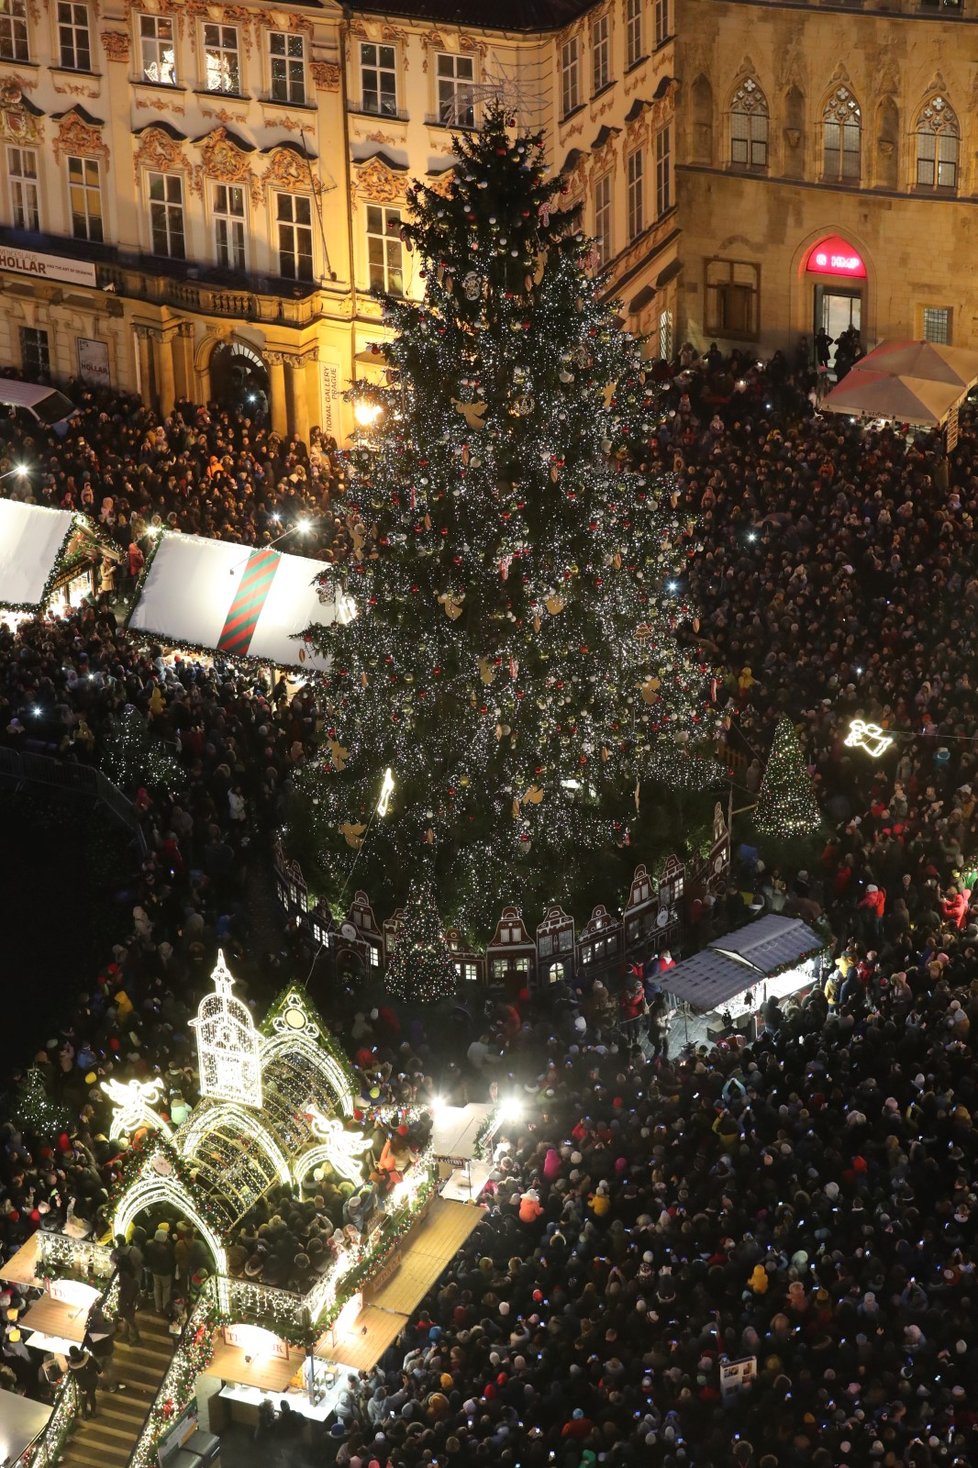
point(422, 968)
point(786, 804)
point(518, 578)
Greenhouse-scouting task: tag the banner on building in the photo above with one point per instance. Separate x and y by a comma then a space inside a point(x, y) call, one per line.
point(47, 267)
point(93, 361)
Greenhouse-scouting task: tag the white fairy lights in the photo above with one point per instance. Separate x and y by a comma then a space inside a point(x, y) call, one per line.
point(870, 738)
point(228, 1045)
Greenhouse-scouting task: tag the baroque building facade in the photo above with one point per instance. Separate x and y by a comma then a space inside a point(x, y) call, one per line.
point(828, 171)
point(203, 199)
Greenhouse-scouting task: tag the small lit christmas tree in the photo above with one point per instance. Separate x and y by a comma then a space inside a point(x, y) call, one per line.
point(421, 969)
point(132, 755)
point(786, 804)
point(35, 1110)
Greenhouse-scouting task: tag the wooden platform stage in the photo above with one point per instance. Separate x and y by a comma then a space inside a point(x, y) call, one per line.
point(428, 1249)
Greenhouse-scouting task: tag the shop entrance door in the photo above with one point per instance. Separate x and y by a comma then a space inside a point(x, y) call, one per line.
point(835, 311)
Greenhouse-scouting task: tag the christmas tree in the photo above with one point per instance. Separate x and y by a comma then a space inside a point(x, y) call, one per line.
point(421, 969)
point(786, 804)
point(516, 575)
point(35, 1110)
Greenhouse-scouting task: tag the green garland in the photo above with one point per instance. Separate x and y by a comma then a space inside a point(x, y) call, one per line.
point(142, 1154)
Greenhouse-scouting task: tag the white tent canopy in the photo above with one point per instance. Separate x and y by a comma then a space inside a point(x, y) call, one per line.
point(753, 958)
point(31, 540)
point(233, 599)
point(907, 381)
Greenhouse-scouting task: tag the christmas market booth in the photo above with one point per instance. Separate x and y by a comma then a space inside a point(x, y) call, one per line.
point(48, 558)
point(922, 384)
point(724, 985)
point(280, 1123)
point(235, 600)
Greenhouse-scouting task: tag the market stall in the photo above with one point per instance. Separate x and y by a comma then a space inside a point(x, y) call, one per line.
point(772, 957)
point(46, 553)
point(918, 383)
point(235, 600)
point(21, 1421)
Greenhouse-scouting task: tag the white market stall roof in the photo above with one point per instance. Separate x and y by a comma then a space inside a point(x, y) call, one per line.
point(741, 960)
point(32, 539)
point(911, 382)
point(455, 1129)
point(21, 1421)
point(236, 599)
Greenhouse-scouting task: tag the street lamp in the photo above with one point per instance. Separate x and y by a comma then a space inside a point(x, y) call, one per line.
point(20, 470)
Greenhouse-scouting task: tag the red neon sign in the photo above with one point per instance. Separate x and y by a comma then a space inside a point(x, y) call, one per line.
point(835, 256)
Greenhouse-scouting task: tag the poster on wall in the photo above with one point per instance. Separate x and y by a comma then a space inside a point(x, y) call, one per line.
point(93, 361)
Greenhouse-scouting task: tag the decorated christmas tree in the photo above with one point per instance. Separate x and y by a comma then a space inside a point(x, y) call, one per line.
point(35, 1110)
point(421, 968)
point(786, 804)
point(515, 656)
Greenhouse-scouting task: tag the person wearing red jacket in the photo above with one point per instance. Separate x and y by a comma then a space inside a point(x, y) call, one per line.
point(873, 904)
point(954, 907)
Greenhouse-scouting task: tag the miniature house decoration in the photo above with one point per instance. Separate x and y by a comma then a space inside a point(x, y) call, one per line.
point(228, 1045)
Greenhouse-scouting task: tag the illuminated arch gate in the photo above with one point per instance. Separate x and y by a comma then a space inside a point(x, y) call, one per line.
point(158, 1183)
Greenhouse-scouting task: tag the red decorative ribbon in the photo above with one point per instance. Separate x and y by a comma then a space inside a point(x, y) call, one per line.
point(249, 600)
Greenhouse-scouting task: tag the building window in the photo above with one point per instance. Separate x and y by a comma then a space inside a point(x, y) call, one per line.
point(661, 21)
point(378, 79)
point(732, 294)
point(937, 325)
point(842, 123)
point(749, 126)
point(635, 173)
point(222, 64)
point(85, 199)
point(456, 76)
point(229, 226)
point(938, 145)
point(157, 51)
point(384, 249)
point(600, 54)
point(374, 957)
point(288, 67)
point(293, 215)
point(603, 219)
point(22, 172)
point(166, 215)
point(665, 335)
point(633, 32)
point(35, 359)
point(13, 31)
point(570, 77)
point(663, 171)
point(74, 39)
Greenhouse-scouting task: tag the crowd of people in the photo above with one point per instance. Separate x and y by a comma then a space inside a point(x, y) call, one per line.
point(805, 1200)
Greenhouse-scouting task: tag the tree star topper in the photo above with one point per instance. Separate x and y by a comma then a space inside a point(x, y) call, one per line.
point(868, 737)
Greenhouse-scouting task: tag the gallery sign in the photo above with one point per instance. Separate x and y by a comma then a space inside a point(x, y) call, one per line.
point(47, 267)
point(93, 361)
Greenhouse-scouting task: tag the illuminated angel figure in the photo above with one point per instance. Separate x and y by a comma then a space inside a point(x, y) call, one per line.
point(134, 1102)
point(342, 1149)
point(868, 737)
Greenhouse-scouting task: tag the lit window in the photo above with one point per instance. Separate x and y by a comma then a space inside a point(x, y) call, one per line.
point(378, 79)
point(13, 31)
point(157, 51)
point(600, 54)
point(374, 957)
point(635, 173)
point(570, 79)
point(456, 76)
point(749, 126)
point(229, 226)
point(384, 249)
point(603, 221)
point(663, 172)
point(22, 173)
point(74, 38)
point(938, 146)
point(221, 61)
point(937, 325)
point(633, 31)
point(166, 215)
point(665, 335)
point(287, 58)
point(293, 213)
point(841, 137)
point(85, 198)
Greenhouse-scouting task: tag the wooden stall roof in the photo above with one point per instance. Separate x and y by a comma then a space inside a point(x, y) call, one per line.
point(57, 1317)
point(427, 1251)
point(366, 1340)
point(19, 1268)
point(270, 1373)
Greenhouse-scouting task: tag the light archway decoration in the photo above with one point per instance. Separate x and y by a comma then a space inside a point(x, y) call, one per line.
point(226, 1116)
point(159, 1183)
point(293, 1029)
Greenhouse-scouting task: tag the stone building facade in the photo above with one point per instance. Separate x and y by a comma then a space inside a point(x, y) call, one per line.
point(200, 199)
point(828, 170)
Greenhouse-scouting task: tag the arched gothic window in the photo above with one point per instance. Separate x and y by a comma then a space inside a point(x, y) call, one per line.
point(938, 146)
point(749, 121)
point(842, 125)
